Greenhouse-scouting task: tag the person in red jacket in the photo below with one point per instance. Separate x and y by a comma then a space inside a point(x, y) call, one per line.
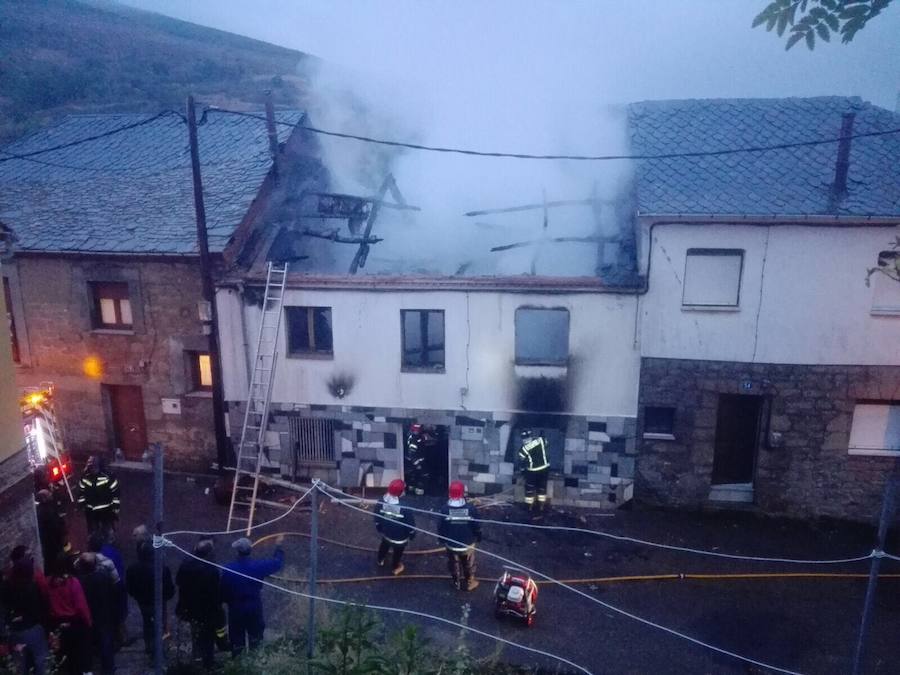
point(70, 615)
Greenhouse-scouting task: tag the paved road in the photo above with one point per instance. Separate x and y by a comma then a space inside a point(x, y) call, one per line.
point(799, 624)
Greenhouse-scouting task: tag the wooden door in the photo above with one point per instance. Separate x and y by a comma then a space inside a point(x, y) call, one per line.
point(129, 426)
point(737, 438)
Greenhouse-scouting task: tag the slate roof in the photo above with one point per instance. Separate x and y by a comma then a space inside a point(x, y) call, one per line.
point(776, 182)
point(131, 192)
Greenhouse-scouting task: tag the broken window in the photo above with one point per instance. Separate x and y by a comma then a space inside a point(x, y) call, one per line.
point(876, 428)
point(13, 337)
point(309, 331)
point(659, 422)
point(111, 305)
point(423, 339)
point(542, 336)
point(885, 284)
point(712, 277)
point(200, 371)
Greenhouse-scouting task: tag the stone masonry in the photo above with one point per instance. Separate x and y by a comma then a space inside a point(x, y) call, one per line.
point(51, 307)
point(803, 467)
point(598, 458)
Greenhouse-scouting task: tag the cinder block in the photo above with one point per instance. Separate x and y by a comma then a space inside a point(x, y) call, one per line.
point(598, 436)
point(483, 478)
point(506, 469)
point(574, 445)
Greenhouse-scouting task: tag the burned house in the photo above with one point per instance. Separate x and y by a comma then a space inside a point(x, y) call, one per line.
point(104, 288)
point(476, 334)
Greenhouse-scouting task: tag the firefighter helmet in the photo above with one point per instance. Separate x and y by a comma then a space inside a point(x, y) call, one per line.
point(415, 428)
point(457, 490)
point(396, 487)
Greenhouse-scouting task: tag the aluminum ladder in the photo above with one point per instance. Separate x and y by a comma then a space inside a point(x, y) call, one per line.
point(55, 443)
point(256, 416)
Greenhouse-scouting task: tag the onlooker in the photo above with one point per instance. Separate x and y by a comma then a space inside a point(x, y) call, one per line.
point(139, 582)
point(51, 527)
point(70, 615)
point(99, 591)
point(111, 551)
point(395, 525)
point(241, 592)
point(199, 602)
point(139, 535)
point(106, 565)
point(24, 599)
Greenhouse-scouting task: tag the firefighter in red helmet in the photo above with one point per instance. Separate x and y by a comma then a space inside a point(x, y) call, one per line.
point(459, 531)
point(415, 466)
point(395, 525)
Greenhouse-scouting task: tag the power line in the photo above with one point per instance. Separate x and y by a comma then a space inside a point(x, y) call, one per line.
point(607, 605)
point(162, 541)
point(588, 158)
point(86, 139)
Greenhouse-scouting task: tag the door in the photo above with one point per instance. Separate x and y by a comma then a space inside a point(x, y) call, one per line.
point(434, 444)
point(737, 437)
point(129, 426)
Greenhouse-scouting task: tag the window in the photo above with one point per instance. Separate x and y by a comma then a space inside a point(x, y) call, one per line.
point(200, 369)
point(112, 306)
point(885, 284)
point(876, 428)
point(542, 336)
point(309, 331)
point(659, 422)
point(423, 339)
point(312, 439)
point(712, 277)
point(13, 337)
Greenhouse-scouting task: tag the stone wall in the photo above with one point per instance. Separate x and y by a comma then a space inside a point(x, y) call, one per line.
point(597, 468)
point(18, 521)
point(51, 307)
point(803, 467)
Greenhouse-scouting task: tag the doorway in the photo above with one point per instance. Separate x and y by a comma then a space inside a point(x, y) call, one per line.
point(434, 444)
point(129, 427)
point(737, 439)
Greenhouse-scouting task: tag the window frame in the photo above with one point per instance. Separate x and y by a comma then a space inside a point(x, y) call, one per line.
point(103, 290)
point(423, 366)
point(660, 432)
point(312, 353)
point(867, 451)
point(521, 361)
point(879, 278)
point(713, 252)
point(195, 371)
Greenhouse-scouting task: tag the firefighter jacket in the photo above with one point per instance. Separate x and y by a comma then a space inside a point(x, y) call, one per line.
point(533, 454)
point(394, 522)
point(99, 493)
point(459, 528)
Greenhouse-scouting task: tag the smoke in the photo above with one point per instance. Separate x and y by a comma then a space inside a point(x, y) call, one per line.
point(484, 104)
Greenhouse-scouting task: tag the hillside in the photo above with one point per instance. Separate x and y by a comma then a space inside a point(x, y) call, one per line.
point(64, 56)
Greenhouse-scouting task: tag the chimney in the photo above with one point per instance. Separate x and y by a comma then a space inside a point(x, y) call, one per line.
point(842, 165)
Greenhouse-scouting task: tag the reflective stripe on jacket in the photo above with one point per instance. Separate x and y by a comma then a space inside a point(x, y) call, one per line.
point(99, 492)
point(534, 455)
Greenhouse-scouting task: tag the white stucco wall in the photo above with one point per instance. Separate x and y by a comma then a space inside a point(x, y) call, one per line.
point(803, 297)
point(480, 350)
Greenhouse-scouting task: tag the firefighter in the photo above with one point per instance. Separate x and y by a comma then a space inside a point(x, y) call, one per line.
point(99, 496)
point(394, 524)
point(459, 531)
point(416, 468)
point(535, 468)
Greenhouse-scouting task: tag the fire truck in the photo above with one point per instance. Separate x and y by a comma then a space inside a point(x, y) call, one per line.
point(49, 460)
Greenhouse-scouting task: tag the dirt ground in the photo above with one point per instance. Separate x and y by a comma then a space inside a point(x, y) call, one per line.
point(807, 625)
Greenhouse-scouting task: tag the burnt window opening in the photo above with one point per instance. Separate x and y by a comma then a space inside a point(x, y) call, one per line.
point(309, 331)
point(712, 277)
point(423, 339)
point(659, 422)
point(542, 336)
point(13, 336)
point(199, 366)
point(111, 303)
point(885, 282)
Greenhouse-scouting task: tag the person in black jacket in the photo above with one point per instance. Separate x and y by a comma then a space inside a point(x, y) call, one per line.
point(139, 583)
point(51, 527)
point(27, 611)
point(100, 593)
point(459, 531)
point(394, 523)
point(99, 496)
point(200, 602)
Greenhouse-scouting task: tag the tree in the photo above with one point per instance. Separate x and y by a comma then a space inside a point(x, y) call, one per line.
point(819, 18)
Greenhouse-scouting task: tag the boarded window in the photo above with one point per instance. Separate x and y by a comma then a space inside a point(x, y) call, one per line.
point(200, 371)
point(309, 331)
point(423, 339)
point(13, 337)
point(111, 305)
point(876, 428)
point(542, 336)
point(312, 439)
point(659, 421)
point(885, 284)
point(712, 277)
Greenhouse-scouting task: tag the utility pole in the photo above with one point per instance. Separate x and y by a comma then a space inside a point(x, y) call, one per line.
point(887, 512)
point(209, 296)
point(158, 553)
point(313, 571)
